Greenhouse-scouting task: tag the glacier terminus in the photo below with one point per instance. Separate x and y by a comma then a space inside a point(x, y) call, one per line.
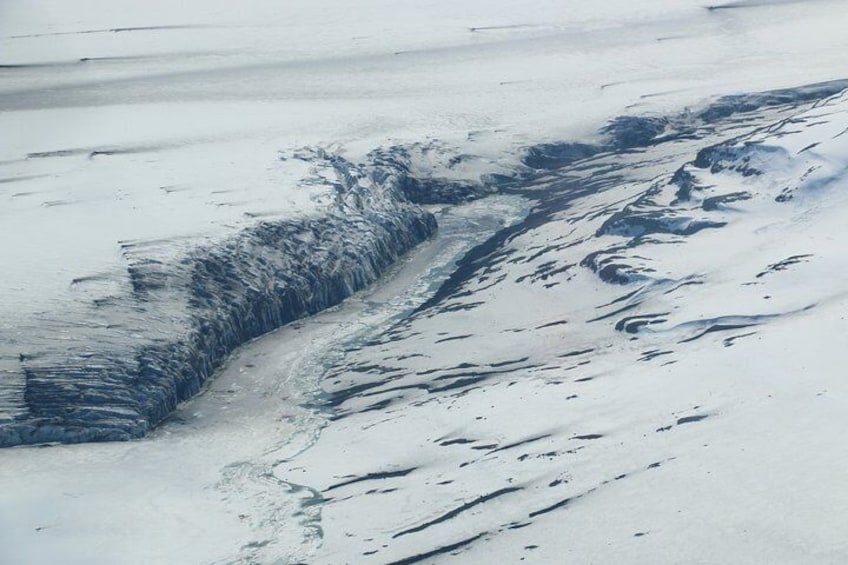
point(373, 282)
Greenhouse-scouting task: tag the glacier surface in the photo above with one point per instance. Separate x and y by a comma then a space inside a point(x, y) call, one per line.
point(621, 344)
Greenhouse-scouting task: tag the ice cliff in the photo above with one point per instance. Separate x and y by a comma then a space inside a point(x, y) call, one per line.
point(175, 314)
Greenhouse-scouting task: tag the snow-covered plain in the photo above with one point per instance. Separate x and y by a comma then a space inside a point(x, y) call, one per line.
point(646, 369)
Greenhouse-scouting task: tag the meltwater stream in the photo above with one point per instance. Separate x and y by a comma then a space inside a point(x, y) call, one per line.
point(202, 487)
point(288, 528)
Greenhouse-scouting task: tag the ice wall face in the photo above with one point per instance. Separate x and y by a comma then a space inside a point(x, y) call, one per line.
point(181, 314)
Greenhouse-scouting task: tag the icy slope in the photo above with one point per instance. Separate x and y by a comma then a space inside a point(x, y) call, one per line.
point(649, 363)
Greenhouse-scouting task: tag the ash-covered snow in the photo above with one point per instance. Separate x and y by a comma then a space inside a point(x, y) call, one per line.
point(637, 360)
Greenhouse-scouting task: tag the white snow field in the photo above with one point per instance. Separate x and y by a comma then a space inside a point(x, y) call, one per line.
point(632, 354)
